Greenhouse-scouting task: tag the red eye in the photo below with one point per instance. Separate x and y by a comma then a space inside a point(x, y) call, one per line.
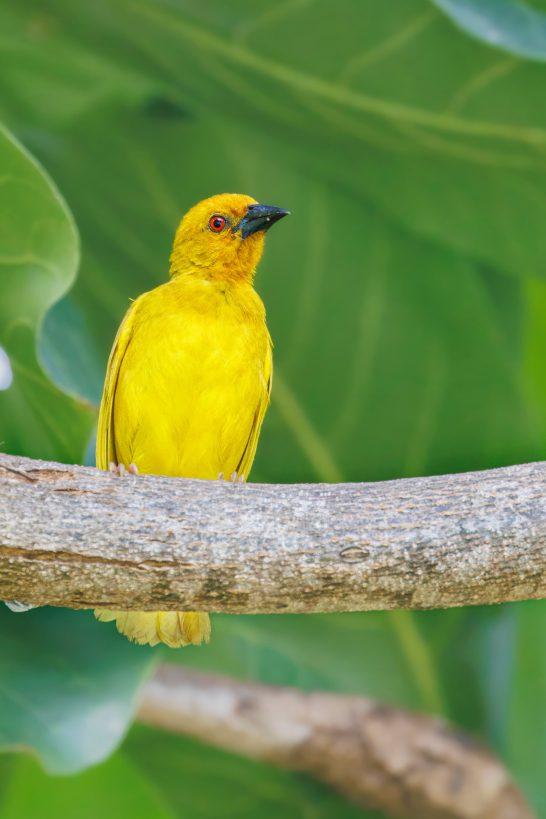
point(217, 223)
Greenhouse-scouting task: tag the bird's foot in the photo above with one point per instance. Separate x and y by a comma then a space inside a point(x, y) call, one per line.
point(121, 470)
point(233, 478)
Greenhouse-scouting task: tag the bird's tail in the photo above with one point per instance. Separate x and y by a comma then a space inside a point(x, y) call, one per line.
point(174, 628)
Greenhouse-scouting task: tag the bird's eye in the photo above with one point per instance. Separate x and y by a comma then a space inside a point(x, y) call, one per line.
point(217, 223)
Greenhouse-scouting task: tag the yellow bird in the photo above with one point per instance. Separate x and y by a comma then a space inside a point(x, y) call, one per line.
point(189, 375)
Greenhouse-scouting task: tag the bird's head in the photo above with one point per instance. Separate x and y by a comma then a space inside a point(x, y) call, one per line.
point(223, 237)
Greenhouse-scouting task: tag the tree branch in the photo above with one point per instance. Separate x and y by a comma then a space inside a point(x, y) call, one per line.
point(75, 536)
point(407, 765)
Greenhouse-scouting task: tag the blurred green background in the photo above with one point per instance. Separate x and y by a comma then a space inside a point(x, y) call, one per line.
point(406, 296)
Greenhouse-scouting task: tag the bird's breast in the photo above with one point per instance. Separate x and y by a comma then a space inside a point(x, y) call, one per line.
point(192, 378)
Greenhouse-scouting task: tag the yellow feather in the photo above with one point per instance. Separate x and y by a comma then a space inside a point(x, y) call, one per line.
point(188, 380)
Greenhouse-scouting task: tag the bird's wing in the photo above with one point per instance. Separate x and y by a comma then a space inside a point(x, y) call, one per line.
point(106, 446)
point(249, 452)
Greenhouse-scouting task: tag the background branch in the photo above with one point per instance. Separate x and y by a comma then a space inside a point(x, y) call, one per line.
point(408, 765)
point(75, 536)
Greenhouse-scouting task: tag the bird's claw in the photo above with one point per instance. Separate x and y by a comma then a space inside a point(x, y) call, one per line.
point(121, 470)
point(233, 478)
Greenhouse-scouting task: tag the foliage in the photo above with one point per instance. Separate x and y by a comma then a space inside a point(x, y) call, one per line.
point(67, 690)
point(405, 296)
point(38, 261)
point(510, 25)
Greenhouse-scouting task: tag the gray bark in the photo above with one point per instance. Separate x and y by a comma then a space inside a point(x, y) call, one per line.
point(75, 536)
point(407, 765)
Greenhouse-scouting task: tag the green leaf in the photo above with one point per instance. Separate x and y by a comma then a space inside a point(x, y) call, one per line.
point(509, 25)
point(68, 687)
point(49, 78)
point(381, 118)
point(115, 789)
point(524, 745)
point(158, 776)
point(325, 652)
point(243, 789)
point(37, 265)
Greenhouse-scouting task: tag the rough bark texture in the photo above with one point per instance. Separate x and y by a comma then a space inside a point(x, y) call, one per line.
point(409, 766)
point(75, 536)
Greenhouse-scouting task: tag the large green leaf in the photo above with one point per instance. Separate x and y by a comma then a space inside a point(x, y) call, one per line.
point(510, 25)
point(158, 776)
point(38, 261)
point(242, 789)
point(524, 740)
point(67, 687)
point(329, 653)
point(115, 790)
point(398, 106)
point(53, 83)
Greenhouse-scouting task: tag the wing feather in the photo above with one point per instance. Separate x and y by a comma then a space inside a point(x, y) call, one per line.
point(106, 446)
point(245, 464)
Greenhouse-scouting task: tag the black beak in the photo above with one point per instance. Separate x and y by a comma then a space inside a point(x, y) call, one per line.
point(259, 217)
